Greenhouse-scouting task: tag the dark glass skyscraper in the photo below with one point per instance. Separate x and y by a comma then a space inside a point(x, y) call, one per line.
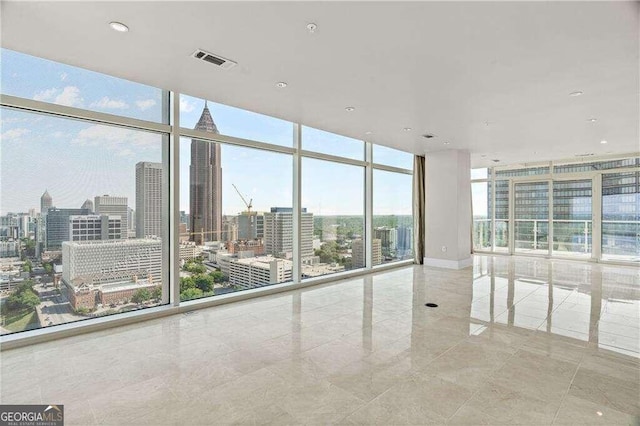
point(205, 185)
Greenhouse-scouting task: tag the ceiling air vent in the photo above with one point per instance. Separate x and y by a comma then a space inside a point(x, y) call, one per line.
point(428, 136)
point(219, 61)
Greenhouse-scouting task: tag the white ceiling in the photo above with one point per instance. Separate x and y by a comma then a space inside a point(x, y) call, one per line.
point(442, 68)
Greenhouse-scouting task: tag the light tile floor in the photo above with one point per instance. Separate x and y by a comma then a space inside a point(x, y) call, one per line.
point(514, 341)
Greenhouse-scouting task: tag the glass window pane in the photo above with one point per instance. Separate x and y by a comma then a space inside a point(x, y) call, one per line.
point(479, 173)
point(502, 215)
point(47, 81)
point(392, 217)
point(572, 217)
point(236, 122)
point(529, 171)
point(69, 251)
point(338, 217)
point(330, 143)
point(596, 165)
point(621, 216)
point(481, 216)
point(392, 157)
point(236, 229)
point(531, 210)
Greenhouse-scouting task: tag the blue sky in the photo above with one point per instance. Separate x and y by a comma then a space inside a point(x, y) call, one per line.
point(75, 160)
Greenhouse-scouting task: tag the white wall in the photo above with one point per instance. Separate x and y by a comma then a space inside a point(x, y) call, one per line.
point(448, 209)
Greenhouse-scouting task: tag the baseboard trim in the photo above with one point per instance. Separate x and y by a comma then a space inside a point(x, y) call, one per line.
point(448, 264)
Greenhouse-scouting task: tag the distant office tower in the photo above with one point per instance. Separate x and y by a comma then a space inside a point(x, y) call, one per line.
point(100, 262)
point(405, 238)
point(358, 257)
point(93, 227)
point(250, 225)
point(88, 204)
point(229, 228)
point(278, 232)
point(113, 206)
point(148, 199)
point(388, 237)
point(57, 226)
point(45, 202)
point(205, 184)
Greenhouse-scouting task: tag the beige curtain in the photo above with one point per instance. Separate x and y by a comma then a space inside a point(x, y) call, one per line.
point(418, 209)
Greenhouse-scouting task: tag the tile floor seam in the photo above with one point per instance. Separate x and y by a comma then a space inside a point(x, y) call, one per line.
point(564, 397)
point(481, 388)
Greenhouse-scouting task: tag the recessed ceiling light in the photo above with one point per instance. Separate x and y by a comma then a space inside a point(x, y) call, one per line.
point(428, 136)
point(603, 141)
point(592, 120)
point(350, 109)
point(407, 129)
point(281, 84)
point(576, 93)
point(311, 27)
point(118, 26)
point(496, 161)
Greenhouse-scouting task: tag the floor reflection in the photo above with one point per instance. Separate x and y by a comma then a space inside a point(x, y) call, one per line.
point(596, 303)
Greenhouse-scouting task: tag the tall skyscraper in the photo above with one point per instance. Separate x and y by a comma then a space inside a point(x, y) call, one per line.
point(113, 206)
point(278, 232)
point(205, 184)
point(148, 199)
point(358, 255)
point(45, 202)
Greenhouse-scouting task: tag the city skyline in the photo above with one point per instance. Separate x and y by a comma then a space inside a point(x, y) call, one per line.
point(100, 159)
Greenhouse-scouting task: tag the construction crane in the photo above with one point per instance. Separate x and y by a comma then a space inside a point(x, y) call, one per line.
point(249, 205)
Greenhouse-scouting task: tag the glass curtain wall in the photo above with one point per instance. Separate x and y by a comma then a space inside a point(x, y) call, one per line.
point(87, 206)
point(563, 195)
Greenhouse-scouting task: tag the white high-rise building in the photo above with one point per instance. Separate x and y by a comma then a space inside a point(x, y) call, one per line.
point(93, 227)
point(113, 206)
point(259, 271)
point(105, 261)
point(278, 232)
point(148, 199)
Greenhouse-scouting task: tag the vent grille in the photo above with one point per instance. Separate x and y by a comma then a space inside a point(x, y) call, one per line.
point(214, 59)
point(428, 136)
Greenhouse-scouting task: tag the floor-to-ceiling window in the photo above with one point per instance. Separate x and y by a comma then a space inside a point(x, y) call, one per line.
point(585, 209)
point(105, 207)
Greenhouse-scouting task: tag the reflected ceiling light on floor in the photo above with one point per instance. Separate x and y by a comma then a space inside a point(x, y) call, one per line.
point(118, 26)
point(446, 143)
point(576, 93)
point(350, 109)
point(592, 120)
point(368, 132)
point(603, 142)
point(407, 129)
point(281, 84)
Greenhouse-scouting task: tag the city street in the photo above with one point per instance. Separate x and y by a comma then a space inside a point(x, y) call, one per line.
point(55, 308)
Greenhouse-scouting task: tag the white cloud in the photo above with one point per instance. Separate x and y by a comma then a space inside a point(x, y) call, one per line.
point(186, 106)
point(119, 141)
point(106, 103)
point(14, 134)
point(45, 95)
point(63, 76)
point(70, 96)
point(145, 104)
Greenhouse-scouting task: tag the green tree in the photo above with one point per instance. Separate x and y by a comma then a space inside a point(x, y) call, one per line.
point(156, 293)
point(28, 266)
point(190, 293)
point(187, 283)
point(204, 282)
point(48, 268)
point(195, 268)
point(217, 276)
point(141, 295)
